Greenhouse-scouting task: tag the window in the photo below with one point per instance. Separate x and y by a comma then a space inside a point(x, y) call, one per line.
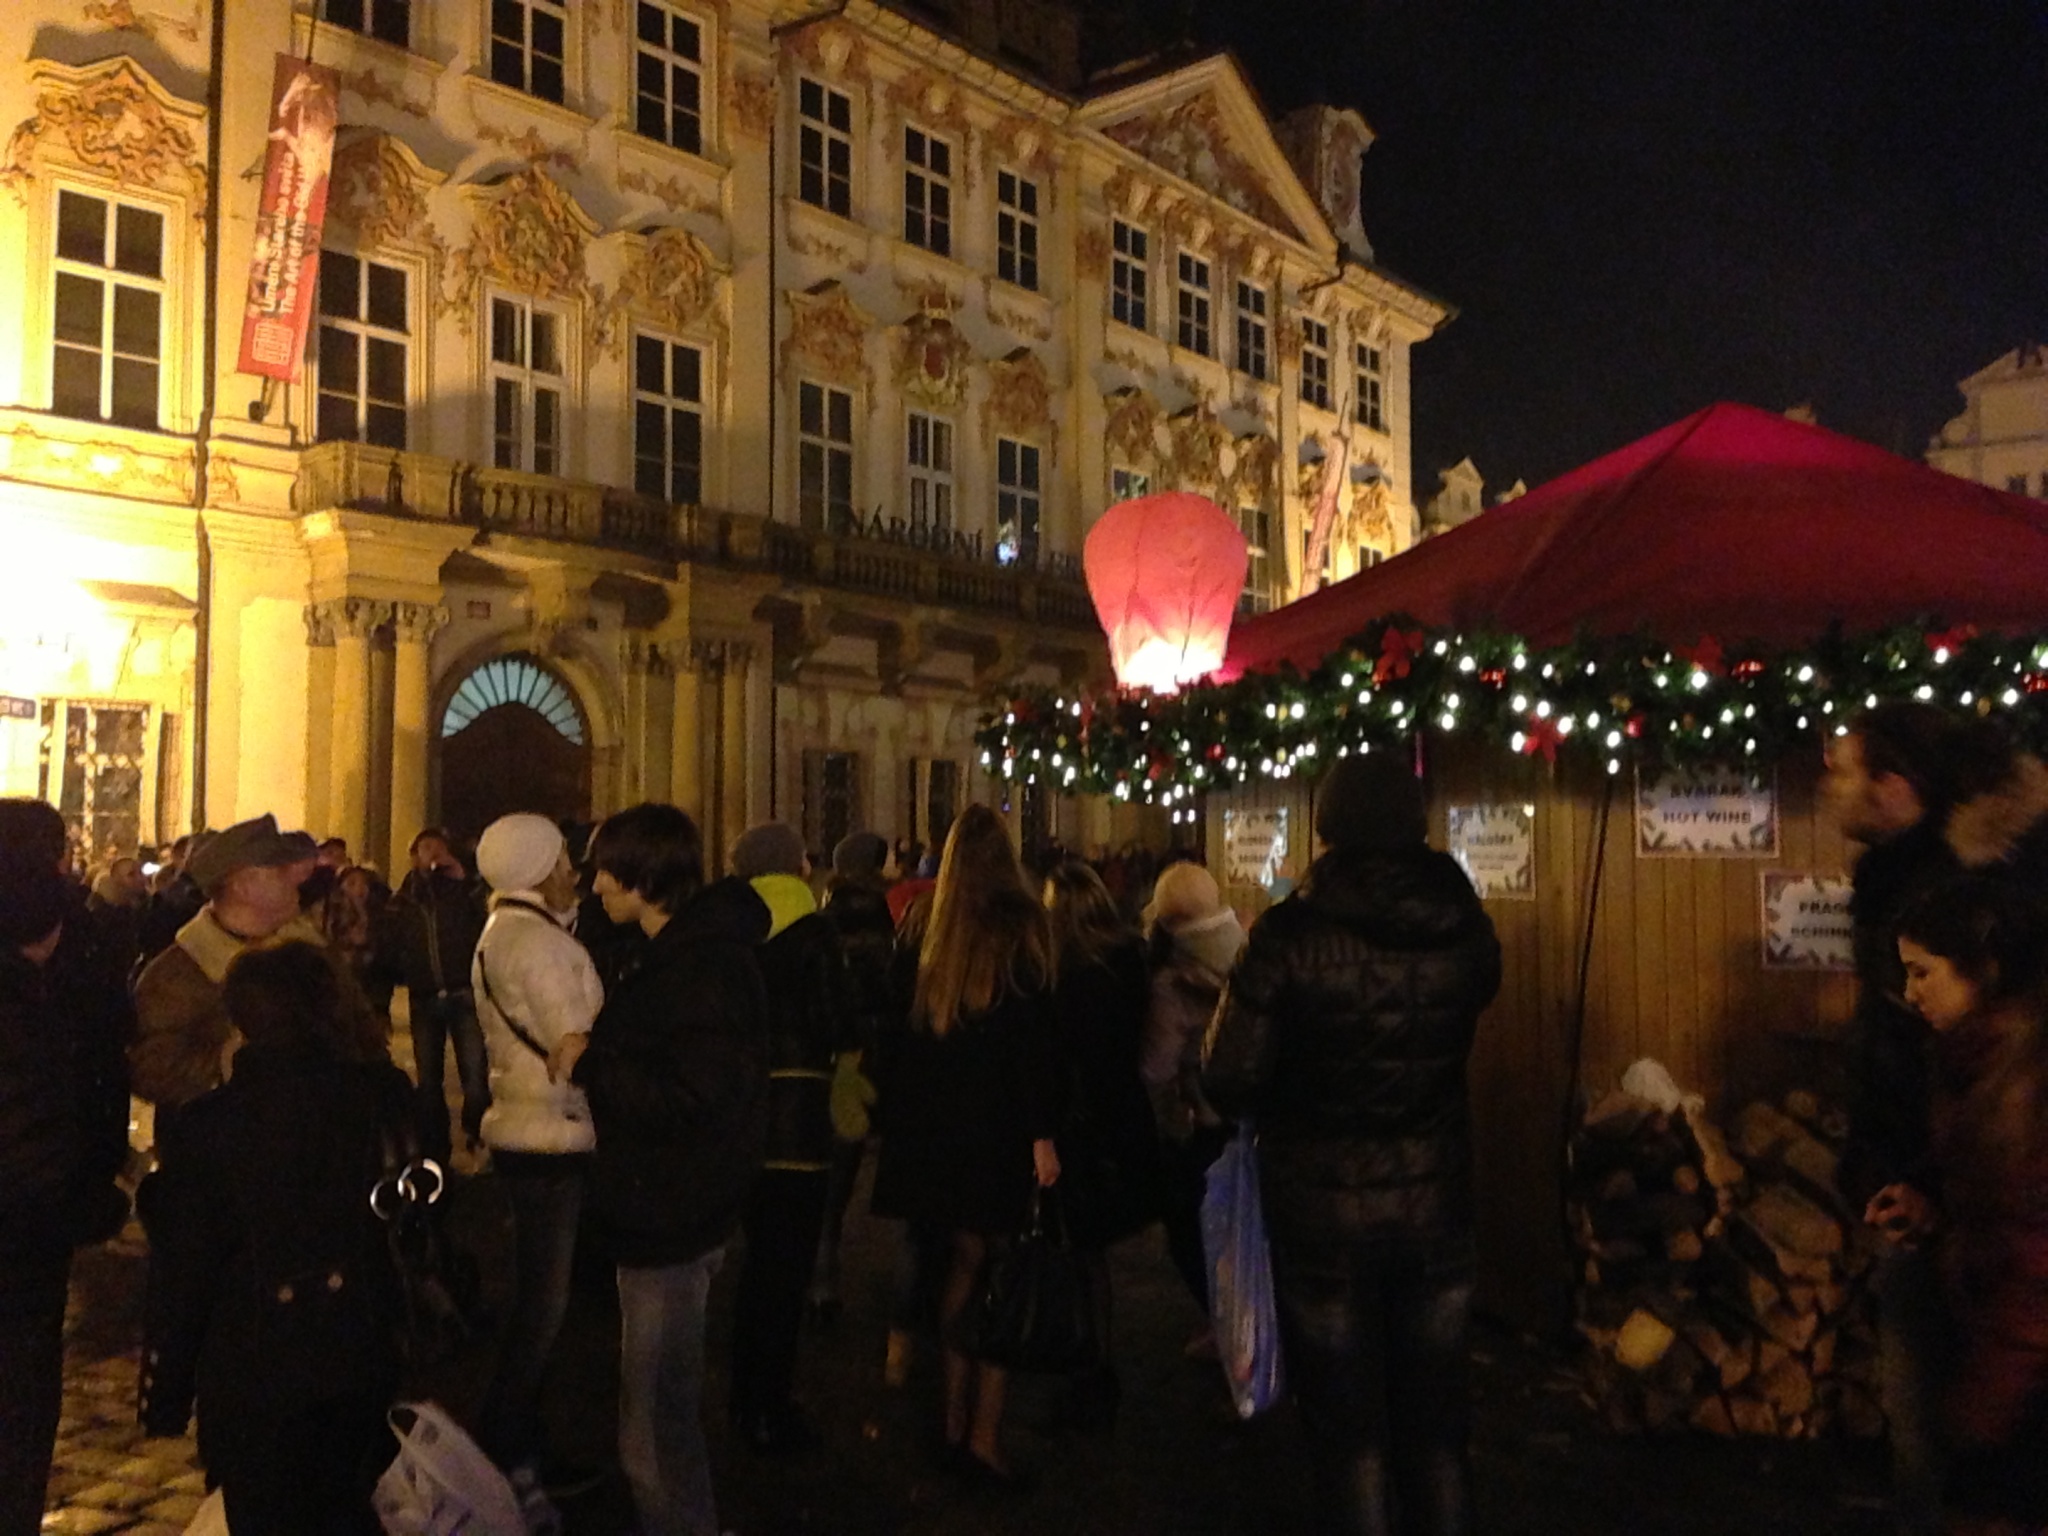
point(831, 797)
point(1127, 275)
point(1308, 536)
point(389, 21)
point(365, 331)
point(2017, 484)
point(526, 387)
point(529, 40)
point(1191, 298)
point(1016, 230)
point(825, 457)
point(668, 420)
point(1257, 524)
point(1370, 379)
point(97, 770)
point(1018, 502)
point(514, 679)
point(108, 330)
point(669, 74)
point(824, 148)
point(930, 451)
point(1126, 484)
point(1315, 362)
point(1251, 330)
point(934, 799)
point(927, 191)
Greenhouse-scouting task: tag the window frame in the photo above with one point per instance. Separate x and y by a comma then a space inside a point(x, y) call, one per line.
point(671, 404)
point(1126, 484)
point(366, 331)
point(828, 448)
point(1256, 523)
point(1020, 500)
point(928, 190)
point(373, 11)
point(527, 377)
point(1315, 362)
point(112, 279)
point(560, 11)
point(931, 473)
point(827, 134)
point(702, 67)
point(1017, 229)
point(1254, 331)
point(1194, 305)
point(1369, 405)
point(1130, 266)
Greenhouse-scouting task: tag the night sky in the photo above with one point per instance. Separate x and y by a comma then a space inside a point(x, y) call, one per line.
point(1643, 206)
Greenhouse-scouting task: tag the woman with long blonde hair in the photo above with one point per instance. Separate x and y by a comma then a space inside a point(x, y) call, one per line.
point(968, 1102)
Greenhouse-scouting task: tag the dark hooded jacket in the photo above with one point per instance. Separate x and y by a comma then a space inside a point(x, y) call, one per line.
point(1344, 1034)
point(677, 1077)
point(867, 937)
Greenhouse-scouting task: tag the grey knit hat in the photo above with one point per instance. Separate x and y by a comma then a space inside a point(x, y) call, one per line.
point(773, 848)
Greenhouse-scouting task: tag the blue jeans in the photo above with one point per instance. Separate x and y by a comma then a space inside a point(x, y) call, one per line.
point(1374, 1331)
point(661, 1395)
point(435, 1021)
point(546, 1195)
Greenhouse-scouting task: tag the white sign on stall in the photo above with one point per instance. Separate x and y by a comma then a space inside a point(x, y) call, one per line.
point(21, 747)
point(1496, 844)
point(1806, 922)
point(1254, 845)
point(1710, 812)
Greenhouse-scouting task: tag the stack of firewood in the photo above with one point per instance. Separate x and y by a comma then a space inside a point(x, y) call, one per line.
point(1722, 1282)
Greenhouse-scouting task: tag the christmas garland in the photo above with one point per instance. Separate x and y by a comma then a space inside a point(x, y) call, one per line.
point(1615, 702)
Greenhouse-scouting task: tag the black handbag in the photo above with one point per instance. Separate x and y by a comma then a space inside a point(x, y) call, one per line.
point(439, 1286)
point(1034, 1313)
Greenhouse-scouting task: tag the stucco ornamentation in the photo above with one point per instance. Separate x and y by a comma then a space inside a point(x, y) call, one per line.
point(375, 89)
point(113, 120)
point(932, 361)
point(1192, 143)
point(418, 623)
point(930, 101)
point(828, 332)
point(528, 234)
point(1287, 340)
point(121, 16)
point(1254, 480)
point(1027, 145)
point(1195, 462)
point(378, 187)
point(528, 146)
point(1131, 432)
point(223, 485)
point(101, 466)
point(671, 279)
point(750, 104)
point(1020, 398)
point(1091, 252)
point(834, 50)
point(844, 257)
point(671, 191)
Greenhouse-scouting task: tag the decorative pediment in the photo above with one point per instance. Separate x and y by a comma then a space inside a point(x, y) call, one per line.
point(1024, 144)
point(932, 361)
point(1019, 400)
point(828, 332)
point(527, 233)
point(378, 187)
point(833, 50)
point(670, 280)
point(112, 119)
point(1202, 128)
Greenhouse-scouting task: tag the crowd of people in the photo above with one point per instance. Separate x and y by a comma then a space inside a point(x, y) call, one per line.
point(699, 1063)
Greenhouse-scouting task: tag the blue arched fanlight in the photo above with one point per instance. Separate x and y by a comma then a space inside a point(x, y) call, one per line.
point(514, 679)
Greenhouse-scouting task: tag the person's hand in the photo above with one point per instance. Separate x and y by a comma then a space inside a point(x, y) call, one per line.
point(567, 1052)
point(1045, 1162)
point(1902, 1214)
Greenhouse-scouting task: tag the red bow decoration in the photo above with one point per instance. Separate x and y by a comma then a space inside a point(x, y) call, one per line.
point(1398, 650)
point(1542, 736)
point(1747, 668)
point(1633, 727)
point(2035, 682)
point(1707, 656)
point(1952, 640)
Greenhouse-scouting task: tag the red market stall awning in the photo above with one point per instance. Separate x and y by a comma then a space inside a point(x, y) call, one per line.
point(1733, 523)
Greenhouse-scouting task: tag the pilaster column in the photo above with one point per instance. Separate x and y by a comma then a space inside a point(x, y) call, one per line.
point(414, 626)
point(732, 741)
point(686, 734)
point(356, 621)
point(319, 717)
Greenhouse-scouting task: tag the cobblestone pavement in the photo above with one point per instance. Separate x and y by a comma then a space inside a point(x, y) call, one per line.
point(1175, 1463)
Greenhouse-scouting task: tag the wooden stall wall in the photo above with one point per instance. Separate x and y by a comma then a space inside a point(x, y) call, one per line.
point(1675, 971)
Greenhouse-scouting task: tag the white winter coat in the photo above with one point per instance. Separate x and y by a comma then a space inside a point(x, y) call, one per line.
point(543, 977)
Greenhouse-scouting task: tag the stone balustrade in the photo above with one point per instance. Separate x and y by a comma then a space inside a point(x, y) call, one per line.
point(877, 558)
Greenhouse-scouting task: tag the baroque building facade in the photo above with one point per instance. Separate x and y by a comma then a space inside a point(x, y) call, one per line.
point(2001, 438)
point(706, 400)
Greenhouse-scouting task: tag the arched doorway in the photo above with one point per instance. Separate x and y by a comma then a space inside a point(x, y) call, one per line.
point(512, 739)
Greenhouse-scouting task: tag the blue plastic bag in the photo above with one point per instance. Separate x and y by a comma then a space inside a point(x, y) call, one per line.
point(1241, 1304)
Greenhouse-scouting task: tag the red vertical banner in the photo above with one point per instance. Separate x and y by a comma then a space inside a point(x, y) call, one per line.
point(304, 105)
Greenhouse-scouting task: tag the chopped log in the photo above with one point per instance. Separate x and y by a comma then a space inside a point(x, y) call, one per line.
point(1788, 1388)
point(1685, 1178)
point(1618, 1185)
point(1644, 1340)
point(1822, 1354)
point(1712, 1416)
point(1719, 1165)
point(1803, 1106)
point(1684, 1247)
point(1793, 1224)
point(1752, 1416)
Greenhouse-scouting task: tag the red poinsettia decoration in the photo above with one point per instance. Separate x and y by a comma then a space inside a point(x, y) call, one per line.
point(1747, 668)
point(1633, 727)
point(2035, 682)
point(1951, 640)
point(1398, 650)
point(1707, 656)
point(1542, 736)
point(1494, 677)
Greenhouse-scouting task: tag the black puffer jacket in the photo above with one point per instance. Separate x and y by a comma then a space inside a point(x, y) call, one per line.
point(809, 1023)
point(677, 1076)
point(429, 931)
point(1344, 1033)
point(867, 936)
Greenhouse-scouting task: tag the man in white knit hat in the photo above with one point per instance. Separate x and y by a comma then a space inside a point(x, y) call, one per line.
point(535, 986)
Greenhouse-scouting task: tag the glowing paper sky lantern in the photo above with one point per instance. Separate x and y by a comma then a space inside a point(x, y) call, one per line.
point(1165, 572)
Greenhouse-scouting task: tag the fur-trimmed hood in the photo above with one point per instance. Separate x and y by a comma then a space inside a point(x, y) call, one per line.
point(1994, 826)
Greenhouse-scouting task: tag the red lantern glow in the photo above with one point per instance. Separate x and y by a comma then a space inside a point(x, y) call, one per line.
point(1165, 572)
